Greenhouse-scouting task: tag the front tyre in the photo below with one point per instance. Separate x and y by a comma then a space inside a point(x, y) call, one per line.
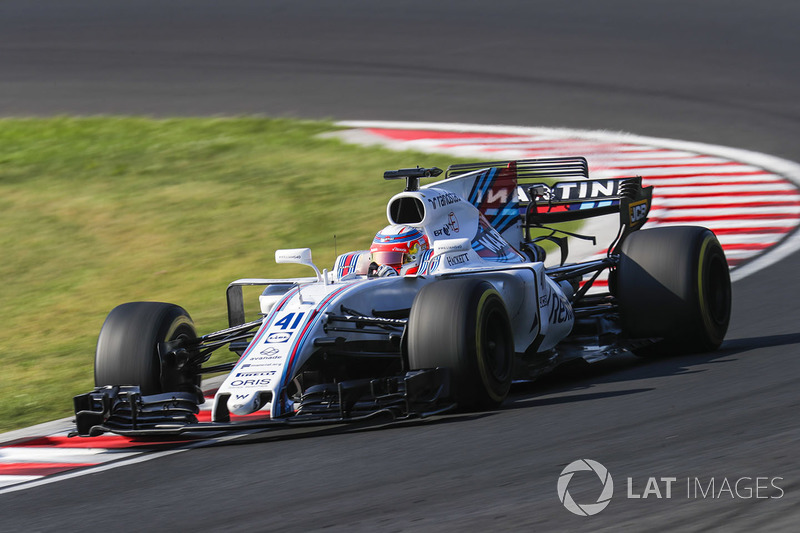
point(462, 324)
point(127, 349)
point(674, 283)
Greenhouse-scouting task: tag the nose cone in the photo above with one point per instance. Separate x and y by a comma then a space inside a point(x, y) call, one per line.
point(244, 403)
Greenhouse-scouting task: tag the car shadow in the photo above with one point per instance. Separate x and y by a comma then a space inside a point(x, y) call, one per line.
point(526, 401)
point(579, 375)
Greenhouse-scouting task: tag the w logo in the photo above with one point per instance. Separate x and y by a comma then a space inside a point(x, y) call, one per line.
point(587, 509)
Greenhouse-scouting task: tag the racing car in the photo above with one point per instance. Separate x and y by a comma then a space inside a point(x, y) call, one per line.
point(451, 304)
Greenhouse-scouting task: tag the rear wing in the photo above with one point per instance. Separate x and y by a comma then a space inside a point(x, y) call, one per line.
point(531, 169)
point(564, 201)
point(567, 195)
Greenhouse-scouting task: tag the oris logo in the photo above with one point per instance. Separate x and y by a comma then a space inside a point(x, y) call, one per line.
point(586, 509)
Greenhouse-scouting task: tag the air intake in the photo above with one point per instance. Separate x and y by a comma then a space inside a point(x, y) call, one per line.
point(406, 210)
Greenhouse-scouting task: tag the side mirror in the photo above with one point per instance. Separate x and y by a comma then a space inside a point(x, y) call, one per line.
point(299, 256)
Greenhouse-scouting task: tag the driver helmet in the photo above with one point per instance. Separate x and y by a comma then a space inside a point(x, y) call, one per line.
point(399, 247)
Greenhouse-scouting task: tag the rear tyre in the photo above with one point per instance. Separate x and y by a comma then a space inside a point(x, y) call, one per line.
point(463, 325)
point(674, 283)
point(127, 349)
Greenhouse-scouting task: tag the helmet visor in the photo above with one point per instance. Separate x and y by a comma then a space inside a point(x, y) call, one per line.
point(388, 258)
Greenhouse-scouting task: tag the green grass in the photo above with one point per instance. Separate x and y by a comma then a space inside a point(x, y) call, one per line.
point(95, 212)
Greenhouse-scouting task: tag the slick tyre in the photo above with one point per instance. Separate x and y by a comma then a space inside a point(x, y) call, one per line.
point(462, 324)
point(674, 283)
point(127, 349)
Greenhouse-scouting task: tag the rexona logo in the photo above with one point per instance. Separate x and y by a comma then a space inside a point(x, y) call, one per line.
point(585, 509)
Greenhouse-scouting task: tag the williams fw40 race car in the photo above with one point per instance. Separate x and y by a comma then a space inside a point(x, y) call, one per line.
point(452, 303)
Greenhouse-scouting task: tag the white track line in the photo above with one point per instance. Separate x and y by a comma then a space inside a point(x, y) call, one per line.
point(39, 454)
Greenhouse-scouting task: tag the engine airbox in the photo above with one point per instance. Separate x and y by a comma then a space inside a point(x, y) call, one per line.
point(406, 210)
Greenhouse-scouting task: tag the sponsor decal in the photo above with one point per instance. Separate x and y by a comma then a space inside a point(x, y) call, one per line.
point(457, 259)
point(560, 309)
point(637, 211)
point(581, 190)
point(250, 382)
point(265, 358)
point(492, 241)
point(276, 360)
point(451, 245)
point(289, 322)
point(443, 200)
point(497, 196)
point(430, 266)
point(493, 194)
point(270, 350)
point(490, 245)
point(279, 336)
point(255, 374)
point(450, 227)
point(294, 255)
point(453, 221)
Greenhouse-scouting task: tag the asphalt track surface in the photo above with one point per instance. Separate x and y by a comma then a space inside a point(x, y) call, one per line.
point(722, 72)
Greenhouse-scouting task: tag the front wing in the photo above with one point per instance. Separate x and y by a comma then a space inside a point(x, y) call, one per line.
point(125, 411)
